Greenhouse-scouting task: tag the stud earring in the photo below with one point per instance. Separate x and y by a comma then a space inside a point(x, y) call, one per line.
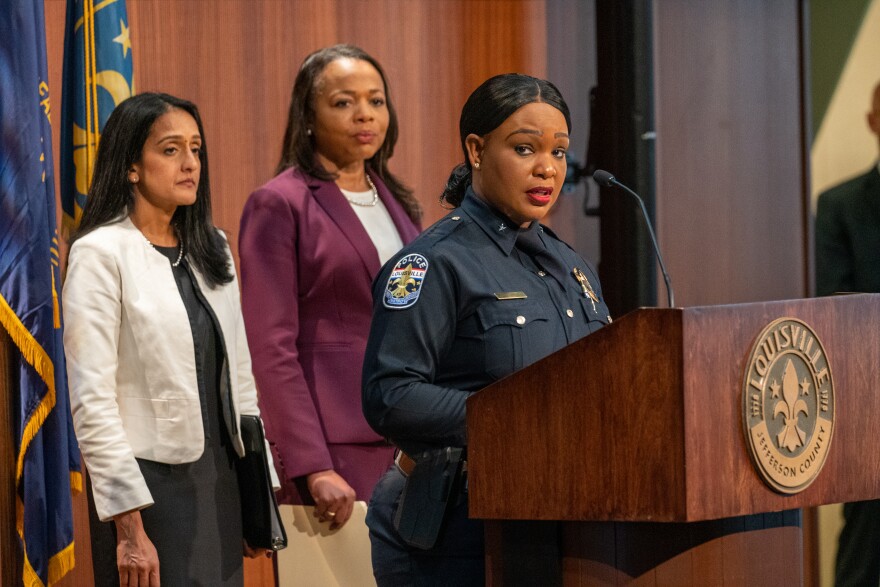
point(309, 131)
point(476, 164)
point(133, 178)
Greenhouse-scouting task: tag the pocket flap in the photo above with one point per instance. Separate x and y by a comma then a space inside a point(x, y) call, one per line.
point(517, 313)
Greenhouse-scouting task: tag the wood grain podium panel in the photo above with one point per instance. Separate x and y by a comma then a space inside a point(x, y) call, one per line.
point(642, 421)
point(744, 550)
point(739, 551)
point(631, 442)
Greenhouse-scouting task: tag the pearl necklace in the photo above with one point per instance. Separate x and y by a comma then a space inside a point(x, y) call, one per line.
point(373, 189)
point(179, 255)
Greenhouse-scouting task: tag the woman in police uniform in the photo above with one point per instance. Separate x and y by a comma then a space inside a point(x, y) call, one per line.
point(484, 292)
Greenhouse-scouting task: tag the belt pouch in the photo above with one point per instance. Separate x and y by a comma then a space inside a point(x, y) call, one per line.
point(431, 487)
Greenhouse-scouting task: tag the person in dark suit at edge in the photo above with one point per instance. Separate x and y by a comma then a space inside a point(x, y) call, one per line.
point(848, 260)
point(312, 240)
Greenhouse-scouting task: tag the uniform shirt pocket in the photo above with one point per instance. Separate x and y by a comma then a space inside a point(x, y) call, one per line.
point(597, 314)
point(508, 325)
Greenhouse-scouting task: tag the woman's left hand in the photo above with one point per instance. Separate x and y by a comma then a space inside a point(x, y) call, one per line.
point(334, 497)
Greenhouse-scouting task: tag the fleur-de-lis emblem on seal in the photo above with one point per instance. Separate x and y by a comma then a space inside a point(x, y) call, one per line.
point(790, 406)
point(401, 283)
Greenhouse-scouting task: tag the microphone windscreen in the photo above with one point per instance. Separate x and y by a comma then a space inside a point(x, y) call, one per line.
point(602, 177)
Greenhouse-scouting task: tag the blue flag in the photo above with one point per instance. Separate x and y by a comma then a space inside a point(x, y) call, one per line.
point(47, 466)
point(97, 77)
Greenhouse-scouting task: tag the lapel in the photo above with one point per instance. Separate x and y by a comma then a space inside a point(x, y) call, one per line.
point(405, 227)
point(330, 198)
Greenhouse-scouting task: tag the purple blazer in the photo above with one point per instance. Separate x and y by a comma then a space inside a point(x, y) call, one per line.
point(307, 265)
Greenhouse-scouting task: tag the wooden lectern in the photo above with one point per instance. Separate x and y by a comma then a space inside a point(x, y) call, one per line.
point(622, 458)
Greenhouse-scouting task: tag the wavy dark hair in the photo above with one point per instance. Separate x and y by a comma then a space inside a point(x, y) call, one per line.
point(298, 149)
point(487, 108)
point(111, 195)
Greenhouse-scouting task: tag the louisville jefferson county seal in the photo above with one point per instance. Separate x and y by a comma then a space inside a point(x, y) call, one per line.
point(788, 405)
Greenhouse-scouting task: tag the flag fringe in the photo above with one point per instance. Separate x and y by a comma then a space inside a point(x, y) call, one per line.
point(76, 482)
point(29, 577)
point(61, 564)
point(35, 355)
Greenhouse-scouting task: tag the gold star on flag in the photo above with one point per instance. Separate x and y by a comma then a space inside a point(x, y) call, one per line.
point(123, 38)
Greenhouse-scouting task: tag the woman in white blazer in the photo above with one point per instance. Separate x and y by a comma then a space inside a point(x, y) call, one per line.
point(157, 357)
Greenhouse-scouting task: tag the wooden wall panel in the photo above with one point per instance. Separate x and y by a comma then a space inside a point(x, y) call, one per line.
point(237, 60)
point(10, 552)
point(730, 150)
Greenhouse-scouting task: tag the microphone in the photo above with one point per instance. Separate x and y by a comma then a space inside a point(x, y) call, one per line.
point(603, 178)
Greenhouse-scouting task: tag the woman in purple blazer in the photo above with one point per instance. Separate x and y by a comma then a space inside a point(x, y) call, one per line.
point(312, 240)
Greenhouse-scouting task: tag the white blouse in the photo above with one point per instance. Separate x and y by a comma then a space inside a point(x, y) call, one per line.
point(378, 224)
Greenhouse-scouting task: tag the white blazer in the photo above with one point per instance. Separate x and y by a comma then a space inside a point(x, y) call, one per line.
point(131, 363)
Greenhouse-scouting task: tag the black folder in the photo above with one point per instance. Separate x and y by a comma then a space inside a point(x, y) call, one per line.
point(261, 520)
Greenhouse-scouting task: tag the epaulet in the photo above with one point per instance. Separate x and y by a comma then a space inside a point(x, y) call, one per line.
point(444, 227)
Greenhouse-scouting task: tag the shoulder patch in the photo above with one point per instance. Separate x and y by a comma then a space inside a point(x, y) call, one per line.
point(405, 282)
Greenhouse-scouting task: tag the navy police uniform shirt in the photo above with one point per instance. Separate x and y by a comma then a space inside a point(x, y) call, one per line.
point(459, 308)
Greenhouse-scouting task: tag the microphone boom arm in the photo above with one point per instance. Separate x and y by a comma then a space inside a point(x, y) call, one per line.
point(604, 178)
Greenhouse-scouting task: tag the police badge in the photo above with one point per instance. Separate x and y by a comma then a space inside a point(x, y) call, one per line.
point(405, 282)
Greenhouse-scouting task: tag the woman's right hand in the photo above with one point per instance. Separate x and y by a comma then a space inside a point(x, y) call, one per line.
point(136, 557)
point(334, 497)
